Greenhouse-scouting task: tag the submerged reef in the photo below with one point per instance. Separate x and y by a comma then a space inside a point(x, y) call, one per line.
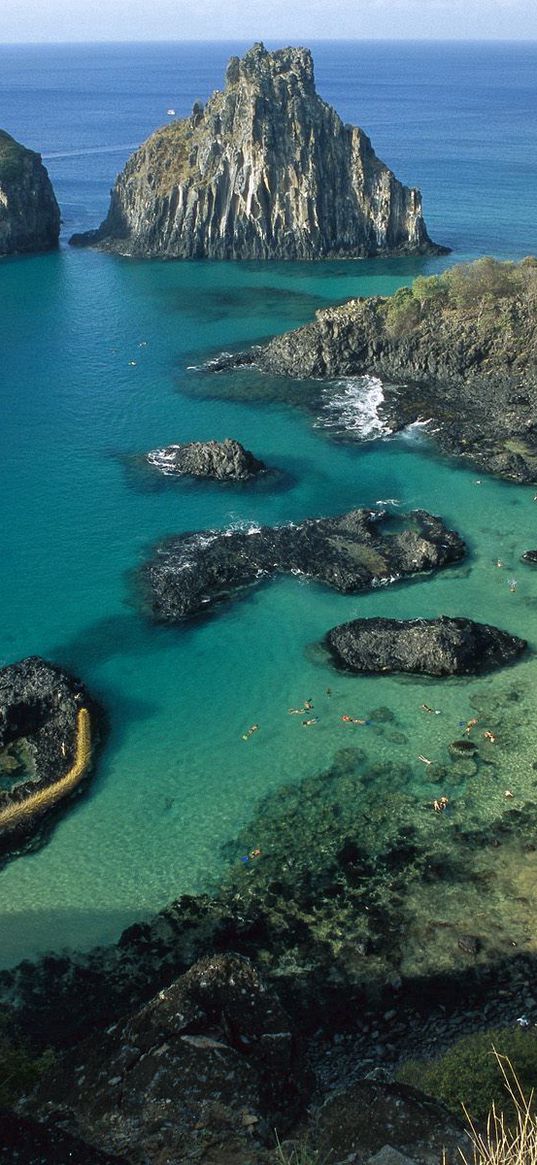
point(266, 170)
point(48, 730)
point(434, 647)
point(191, 572)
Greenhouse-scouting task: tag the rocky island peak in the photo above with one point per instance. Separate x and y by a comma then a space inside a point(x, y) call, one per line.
point(29, 213)
point(265, 170)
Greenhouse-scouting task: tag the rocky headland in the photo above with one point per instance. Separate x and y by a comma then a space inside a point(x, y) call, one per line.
point(29, 213)
point(458, 350)
point(266, 170)
point(433, 647)
point(226, 460)
point(48, 730)
point(189, 573)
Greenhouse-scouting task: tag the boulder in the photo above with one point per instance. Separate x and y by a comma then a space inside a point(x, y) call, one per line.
point(222, 460)
point(435, 647)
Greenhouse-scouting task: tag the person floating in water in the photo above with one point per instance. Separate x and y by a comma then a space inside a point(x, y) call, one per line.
point(247, 735)
point(426, 708)
point(306, 723)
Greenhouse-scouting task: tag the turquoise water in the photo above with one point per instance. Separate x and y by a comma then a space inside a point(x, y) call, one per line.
point(95, 352)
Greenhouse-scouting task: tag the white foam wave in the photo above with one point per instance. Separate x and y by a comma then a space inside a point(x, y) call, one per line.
point(353, 404)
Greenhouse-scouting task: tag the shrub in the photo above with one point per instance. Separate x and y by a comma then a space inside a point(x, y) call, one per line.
point(19, 1069)
point(469, 1075)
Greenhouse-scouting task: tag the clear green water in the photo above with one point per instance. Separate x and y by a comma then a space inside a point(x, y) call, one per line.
point(176, 781)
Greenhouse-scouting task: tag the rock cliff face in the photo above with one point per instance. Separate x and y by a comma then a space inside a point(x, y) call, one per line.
point(266, 170)
point(29, 213)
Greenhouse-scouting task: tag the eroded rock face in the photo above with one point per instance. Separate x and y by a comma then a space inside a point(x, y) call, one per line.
point(222, 460)
point(29, 213)
point(211, 1057)
point(434, 647)
point(266, 170)
point(39, 730)
point(191, 572)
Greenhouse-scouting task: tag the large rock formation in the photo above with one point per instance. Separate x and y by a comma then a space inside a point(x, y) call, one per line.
point(266, 171)
point(226, 460)
point(191, 572)
point(433, 647)
point(29, 213)
point(461, 349)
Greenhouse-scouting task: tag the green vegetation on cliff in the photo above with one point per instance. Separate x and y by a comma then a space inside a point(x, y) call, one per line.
point(11, 157)
point(478, 289)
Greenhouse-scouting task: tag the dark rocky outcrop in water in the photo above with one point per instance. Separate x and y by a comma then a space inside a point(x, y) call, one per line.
point(29, 213)
point(460, 348)
point(267, 170)
point(226, 460)
point(433, 647)
point(191, 572)
point(39, 739)
point(530, 556)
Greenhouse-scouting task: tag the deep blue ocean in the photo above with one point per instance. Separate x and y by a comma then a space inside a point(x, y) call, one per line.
point(94, 371)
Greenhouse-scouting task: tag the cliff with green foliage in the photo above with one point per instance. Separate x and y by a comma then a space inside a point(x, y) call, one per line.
point(29, 213)
point(461, 348)
point(267, 170)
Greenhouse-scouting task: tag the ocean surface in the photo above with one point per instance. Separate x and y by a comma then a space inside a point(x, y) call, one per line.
point(96, 356)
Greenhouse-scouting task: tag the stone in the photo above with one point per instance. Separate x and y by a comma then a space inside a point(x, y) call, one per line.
point(463, 748)
point(29, 213)
point(530, 556)
point(191, 572)
point(226, 460)
point(389, 1156)
point(437, 647)
point(266, 170)
point(210, 1058)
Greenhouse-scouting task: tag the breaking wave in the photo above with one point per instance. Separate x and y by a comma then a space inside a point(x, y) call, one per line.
point(353, 404)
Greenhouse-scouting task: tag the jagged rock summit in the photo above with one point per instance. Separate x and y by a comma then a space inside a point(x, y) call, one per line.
point(29, 213)
point(267, 170)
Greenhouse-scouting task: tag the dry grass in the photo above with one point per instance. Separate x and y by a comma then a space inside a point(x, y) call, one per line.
point(504, 1142)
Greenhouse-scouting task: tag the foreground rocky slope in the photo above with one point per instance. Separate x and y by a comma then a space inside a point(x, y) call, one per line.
point(191, 572)
point(460, 348)
point(29, 213)
point(266, 170)
point(434, 647)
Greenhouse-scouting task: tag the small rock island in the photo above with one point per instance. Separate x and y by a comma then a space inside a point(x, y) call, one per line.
point(267, 170)
point(189, 573)
point(432, 647)
point(226, 460)
point(29, 213)
point(48, 729)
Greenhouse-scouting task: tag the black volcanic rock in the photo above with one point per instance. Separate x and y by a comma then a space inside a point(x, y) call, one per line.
point(191, 572)
point(29, 213)
point(39, 705)
point(434, 647)
point(267, 170)
point(226, 460)
point(211, 1058)
point(530, 556)
point(457, 350)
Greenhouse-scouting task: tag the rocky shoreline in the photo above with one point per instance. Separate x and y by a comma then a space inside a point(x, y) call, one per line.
point(457, 350)
point(226, 460)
